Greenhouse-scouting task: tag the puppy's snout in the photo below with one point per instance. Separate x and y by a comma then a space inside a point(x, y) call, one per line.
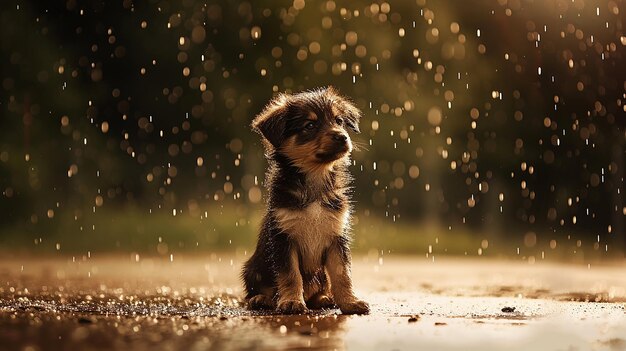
point(340, 137)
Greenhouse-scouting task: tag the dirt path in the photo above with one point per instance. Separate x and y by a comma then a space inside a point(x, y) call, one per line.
point(193, 303)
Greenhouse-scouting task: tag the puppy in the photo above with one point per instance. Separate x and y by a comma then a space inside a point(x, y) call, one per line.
point(302, 258)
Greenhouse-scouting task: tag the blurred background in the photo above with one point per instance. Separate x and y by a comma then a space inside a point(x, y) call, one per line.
point(491, 128)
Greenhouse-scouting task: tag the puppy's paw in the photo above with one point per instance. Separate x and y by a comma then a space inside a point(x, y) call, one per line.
point(355, 307)
point(291, 307)
point(261, 302)
point(320, 301)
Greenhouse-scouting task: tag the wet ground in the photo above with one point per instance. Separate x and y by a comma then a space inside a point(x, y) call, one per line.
point(194, 303)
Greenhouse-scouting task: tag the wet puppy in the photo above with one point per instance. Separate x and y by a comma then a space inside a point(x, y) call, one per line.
point(302, 258)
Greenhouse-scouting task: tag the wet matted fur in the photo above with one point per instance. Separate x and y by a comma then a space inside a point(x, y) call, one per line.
point(302, 258)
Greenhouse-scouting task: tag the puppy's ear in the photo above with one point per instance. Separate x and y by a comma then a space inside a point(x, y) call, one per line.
point(352, 117)
point(271, 122)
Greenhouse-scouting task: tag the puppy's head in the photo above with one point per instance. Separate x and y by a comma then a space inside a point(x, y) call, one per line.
point(309, 128)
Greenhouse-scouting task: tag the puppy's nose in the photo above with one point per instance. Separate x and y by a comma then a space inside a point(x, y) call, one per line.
point(340, 137)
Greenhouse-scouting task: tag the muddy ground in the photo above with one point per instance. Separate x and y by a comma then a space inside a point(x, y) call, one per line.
point(194, 303)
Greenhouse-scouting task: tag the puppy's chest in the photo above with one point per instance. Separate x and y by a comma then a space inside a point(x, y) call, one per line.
point(312, 228)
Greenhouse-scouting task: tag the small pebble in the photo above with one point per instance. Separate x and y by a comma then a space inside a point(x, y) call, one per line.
point(508, 309)
point(85, 320)
point(414, 319)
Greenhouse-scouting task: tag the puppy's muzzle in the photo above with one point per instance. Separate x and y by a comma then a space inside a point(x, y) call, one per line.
point(337, 144)
point(340, 138)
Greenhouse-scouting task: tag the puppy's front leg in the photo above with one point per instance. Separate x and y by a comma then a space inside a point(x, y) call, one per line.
point(338, 268)
point(290, 285)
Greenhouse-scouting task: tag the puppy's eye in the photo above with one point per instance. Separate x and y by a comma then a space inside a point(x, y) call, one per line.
point(339, 120)
point(309, 126)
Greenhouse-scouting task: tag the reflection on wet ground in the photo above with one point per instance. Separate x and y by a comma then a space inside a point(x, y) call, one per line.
point(84, 330)
point(195, 303)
